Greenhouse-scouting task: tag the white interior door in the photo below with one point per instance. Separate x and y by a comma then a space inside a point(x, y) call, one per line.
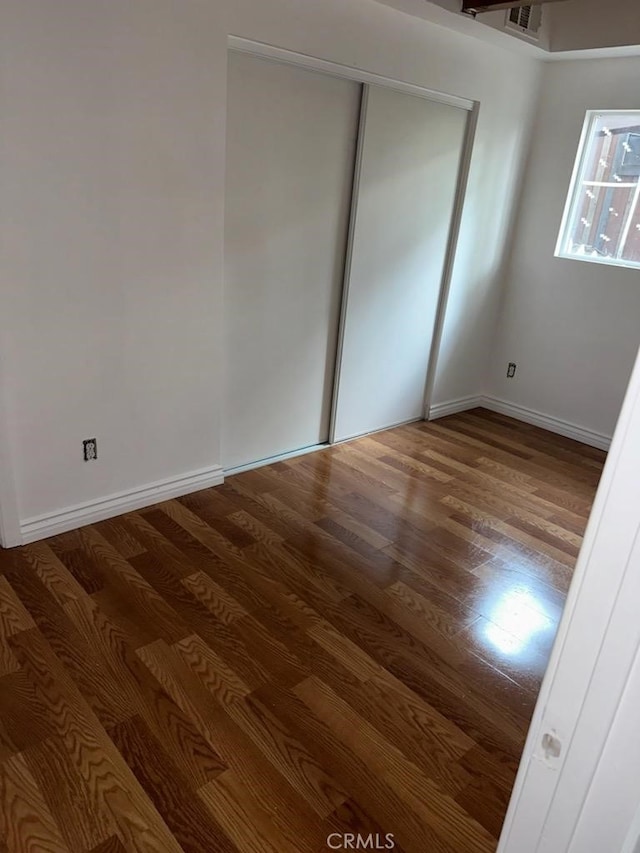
point(410, 159)
point(290, 157)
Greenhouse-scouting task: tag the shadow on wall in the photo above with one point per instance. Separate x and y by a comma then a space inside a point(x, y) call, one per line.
point(482, 255)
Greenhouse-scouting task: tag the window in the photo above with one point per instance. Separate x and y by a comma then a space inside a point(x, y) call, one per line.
point(602, 217)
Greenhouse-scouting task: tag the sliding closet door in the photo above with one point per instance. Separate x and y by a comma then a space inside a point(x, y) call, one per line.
point(410, 159)
point(290, 159)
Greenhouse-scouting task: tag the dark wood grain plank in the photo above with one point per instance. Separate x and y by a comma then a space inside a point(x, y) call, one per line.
point(192, 824)
point(350, 641)
point(26, 823)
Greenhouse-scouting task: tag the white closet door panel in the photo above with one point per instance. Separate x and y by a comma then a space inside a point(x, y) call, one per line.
point(290, 157)
point(409, 167)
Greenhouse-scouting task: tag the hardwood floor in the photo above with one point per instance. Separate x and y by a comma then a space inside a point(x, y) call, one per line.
point(347, 642)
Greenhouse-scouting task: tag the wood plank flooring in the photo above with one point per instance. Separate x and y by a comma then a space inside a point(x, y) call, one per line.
point(348, 642)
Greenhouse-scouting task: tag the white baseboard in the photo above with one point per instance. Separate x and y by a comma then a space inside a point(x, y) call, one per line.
point(463, 404)
point(548, 422)
point(50, 524)
point(522, 413)
point(271, 460)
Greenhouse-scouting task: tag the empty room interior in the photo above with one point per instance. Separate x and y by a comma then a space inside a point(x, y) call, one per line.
point(317, 322)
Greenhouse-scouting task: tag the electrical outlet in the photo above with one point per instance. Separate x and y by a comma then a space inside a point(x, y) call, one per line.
point(511, 370)
point(90, 449)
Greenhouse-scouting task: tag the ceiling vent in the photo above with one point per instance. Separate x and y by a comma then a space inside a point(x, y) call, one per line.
point(525, 20)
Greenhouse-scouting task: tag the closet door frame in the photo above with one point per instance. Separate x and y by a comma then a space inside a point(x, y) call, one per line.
point(452, 242)
point(367, 79)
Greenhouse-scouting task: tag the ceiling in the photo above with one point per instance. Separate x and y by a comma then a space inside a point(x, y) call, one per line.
point(571, 27)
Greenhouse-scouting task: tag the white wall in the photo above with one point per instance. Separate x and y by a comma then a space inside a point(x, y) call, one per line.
point(112, 221)
point(572, 327)
point(112, 168)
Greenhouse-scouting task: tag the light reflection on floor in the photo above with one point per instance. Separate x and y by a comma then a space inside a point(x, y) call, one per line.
point(515, 620)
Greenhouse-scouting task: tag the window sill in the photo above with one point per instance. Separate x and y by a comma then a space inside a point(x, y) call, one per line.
point(607, 262)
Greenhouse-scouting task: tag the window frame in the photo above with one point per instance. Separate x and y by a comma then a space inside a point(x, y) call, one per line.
point(573, 196)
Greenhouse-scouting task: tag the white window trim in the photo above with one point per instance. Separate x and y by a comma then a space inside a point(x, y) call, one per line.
point(572, 202)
